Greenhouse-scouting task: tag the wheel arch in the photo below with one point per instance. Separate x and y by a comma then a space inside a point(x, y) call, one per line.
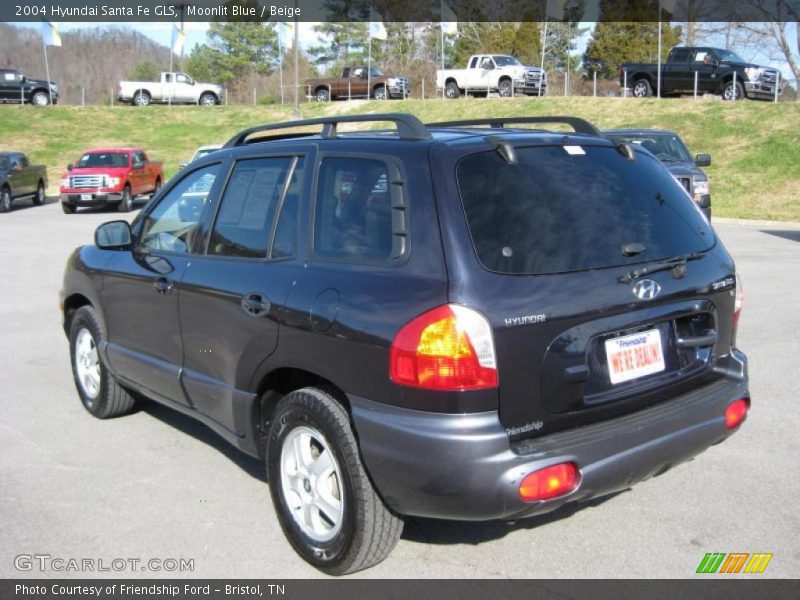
point(274, 386)
point(451, 80)
point(40, 90)
point(70, 305)
point(208, 93)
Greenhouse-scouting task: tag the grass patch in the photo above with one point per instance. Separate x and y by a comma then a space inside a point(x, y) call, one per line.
point(755, 145)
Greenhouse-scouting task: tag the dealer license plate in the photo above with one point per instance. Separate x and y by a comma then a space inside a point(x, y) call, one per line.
point(633, 356)
point(86, 196)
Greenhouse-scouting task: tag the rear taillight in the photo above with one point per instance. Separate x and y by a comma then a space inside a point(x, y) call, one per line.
point(739, 302)
point(447, 348)
point(550, 482)
point(736, 412)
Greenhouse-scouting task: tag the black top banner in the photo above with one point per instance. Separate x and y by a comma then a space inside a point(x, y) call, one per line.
point(399, 10)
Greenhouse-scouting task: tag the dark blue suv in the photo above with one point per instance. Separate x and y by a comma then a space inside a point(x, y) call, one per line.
point(472, 320)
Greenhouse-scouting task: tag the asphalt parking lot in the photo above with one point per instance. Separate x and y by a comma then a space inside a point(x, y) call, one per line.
point(157, 484)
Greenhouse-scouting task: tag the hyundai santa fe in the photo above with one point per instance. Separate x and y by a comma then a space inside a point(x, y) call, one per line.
point(472, 320)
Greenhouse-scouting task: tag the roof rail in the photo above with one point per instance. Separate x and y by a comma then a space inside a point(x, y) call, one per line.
point(578, 124)
point(408, 126)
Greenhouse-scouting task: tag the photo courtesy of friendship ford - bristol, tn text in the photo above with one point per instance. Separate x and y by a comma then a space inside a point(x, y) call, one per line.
point(429, 293)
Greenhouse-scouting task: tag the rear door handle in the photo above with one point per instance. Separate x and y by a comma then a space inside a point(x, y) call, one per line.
point(255, 304)
point(163, 285)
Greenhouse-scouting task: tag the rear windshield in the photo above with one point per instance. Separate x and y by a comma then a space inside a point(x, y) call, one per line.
point(573, 208)
point(104, 159)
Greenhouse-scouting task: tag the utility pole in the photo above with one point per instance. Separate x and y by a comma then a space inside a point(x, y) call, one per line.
point(296, 112)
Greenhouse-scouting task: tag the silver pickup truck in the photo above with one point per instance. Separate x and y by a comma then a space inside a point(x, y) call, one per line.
point(174, 88)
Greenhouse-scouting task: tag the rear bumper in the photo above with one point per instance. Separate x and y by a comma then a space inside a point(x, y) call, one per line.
point(95, 198)
point(464, 467)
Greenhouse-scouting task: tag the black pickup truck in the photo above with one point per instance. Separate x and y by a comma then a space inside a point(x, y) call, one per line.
point(16, 88)
point(20, 179)
point(715, 70)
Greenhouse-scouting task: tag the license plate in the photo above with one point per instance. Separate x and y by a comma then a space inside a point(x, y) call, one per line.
point(86, 196)
point(633, 356)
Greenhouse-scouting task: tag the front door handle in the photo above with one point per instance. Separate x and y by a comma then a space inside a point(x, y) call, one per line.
point(163, 285)
point(255, 304)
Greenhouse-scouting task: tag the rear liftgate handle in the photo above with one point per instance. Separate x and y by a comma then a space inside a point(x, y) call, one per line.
point(255, 304)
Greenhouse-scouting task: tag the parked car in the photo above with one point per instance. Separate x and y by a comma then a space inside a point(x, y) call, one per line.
point(19, 179)
point(200, 153)
point(470, 320)
point(492, 73)
point(110, 177)
point(176, 88)
point(715, 69)
point(16, 88)
point(669, 148)
point(354, 83)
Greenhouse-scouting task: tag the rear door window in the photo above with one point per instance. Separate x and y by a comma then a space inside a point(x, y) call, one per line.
point(573, 208)
point(248, 207)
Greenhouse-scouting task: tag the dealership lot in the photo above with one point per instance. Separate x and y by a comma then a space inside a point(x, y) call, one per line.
point(159, 485)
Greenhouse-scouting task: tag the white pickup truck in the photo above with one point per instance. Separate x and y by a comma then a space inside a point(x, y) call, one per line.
point(492, 73)
point(176, 88)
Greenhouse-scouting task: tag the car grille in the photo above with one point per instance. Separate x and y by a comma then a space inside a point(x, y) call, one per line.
point(86, 181)
point(403, 85)
point(532, 77)
point(769, 77)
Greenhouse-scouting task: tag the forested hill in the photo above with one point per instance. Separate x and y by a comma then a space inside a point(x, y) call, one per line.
point(95, 59)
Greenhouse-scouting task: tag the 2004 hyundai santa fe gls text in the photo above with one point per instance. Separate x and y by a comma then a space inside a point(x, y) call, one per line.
point(446, 320)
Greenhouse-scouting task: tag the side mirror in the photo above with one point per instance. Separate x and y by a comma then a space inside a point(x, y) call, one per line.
point(114, 235)
point(23, 79)
point(702, 160)
point(70, 166)
point(17, 168)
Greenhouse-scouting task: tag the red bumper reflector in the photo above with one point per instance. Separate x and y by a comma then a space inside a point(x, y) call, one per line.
point(736, 412)
point(550, 482)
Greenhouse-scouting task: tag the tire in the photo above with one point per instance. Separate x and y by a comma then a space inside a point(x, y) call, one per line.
point(731, 93)
point(40, 99)
point(379, 92)
point(68, 209)
point(141, 98)
point(642, 89)
point(40, 197)
point(360, 531)
point(322, 95)
point(99, 392)
point(505, 88)
point(126, 204)
point(5, 200)
point(207, 99)
point(451, 90)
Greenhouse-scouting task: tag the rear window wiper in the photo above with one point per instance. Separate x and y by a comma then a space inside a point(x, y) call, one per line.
point(677, 265)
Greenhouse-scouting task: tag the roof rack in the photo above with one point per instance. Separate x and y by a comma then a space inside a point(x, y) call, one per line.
point(579, 125)
point(408, 127)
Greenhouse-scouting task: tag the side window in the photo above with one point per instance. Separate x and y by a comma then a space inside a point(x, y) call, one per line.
point(23, 160)
point(248, 206)
point(168, 77)
point(285, 242)
point(473, 62)
point(700, 56)
point(173, 223)
point(680, 55)
point(346, 72)
point(353, 217)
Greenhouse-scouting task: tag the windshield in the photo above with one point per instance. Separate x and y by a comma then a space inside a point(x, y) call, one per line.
point(572, 208)
point(729, 56)
point(666, 148)
point(505, 61)
point(104, 159)
point(375, 72)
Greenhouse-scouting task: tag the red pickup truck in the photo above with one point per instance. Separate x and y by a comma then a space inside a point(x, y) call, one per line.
point(110, 177)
